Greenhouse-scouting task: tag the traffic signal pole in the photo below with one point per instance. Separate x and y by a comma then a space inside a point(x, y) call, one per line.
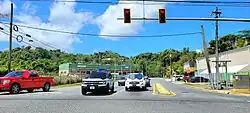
point(192, 19)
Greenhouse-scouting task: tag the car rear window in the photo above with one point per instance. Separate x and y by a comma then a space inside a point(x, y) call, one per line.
point(14, 73)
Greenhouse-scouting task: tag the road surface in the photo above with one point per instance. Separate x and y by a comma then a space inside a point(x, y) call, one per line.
point(70, 100)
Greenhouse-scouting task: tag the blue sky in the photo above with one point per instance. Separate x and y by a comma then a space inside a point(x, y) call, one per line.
point(133, 46)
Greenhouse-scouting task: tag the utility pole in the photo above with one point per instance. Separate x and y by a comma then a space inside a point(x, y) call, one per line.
point(10, 39)
point(206, 56)
point(217, 14)
point(171, 76)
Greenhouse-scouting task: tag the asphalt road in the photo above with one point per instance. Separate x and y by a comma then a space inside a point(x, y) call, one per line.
point(70, 100)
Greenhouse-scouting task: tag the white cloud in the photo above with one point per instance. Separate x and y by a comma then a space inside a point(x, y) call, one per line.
point(198, 50)
point(63, 16)
point(109, 24)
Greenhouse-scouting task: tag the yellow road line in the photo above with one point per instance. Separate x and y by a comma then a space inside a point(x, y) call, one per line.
point(159, 89)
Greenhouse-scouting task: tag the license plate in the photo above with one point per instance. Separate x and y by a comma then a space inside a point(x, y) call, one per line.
point(92, 87)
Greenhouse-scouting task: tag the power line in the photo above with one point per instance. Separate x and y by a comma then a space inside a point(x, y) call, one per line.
point(31, 37)
point(191, 1)
point(165, 1)
point(139, 2)
point(85, 34)
point(22, 41)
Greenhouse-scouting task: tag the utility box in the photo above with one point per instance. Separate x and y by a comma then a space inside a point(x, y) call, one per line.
point(241, 82)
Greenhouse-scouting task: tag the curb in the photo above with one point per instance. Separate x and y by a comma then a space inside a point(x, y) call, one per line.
point(219, 92)
point(66, 85)
point(159, 89)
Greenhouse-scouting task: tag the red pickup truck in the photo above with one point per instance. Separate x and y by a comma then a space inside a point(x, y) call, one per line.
point(29, 80)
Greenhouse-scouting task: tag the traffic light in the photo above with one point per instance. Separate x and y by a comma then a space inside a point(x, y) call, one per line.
point(162, 15)
point(127, 17)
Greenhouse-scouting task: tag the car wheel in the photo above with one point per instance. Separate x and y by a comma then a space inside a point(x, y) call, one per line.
point(84, 92)
point(30, 90)
point(119, 84)
point(15, 89)
point(126, 89)
point(46, 87)
point(107, 89)
point(113, 89)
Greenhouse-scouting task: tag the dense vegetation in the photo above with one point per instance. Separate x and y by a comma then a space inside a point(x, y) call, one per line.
point(153, 64)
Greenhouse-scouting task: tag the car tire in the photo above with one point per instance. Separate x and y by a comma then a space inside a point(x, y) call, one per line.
point(84, 92)
point(119, 84)
point(107, 89)
point(46, 87)
point(15, 89)
point(126, 89)
point(113, 89)
point(30, 90)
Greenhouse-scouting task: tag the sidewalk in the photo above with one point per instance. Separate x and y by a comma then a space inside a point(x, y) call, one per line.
point(206, 88)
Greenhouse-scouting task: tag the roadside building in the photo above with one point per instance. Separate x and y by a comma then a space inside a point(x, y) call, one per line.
point(71, 69)
point(190, 67)
point(240, 62)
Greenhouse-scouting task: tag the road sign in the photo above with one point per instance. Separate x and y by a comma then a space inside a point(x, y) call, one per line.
point(162, 15)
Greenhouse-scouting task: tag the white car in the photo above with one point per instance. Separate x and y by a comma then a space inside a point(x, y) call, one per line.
point(135, 81)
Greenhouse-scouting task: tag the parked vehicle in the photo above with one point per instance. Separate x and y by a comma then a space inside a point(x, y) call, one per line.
point(121, 81)
point(187, 78)
point(179, 77)
point(98, 81)
point(135, 81)
point(29, 80)
point(198, 79)
point(147, 81)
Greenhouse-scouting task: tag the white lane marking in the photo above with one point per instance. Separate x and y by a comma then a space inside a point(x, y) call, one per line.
point(118, 90)
point(248, 101)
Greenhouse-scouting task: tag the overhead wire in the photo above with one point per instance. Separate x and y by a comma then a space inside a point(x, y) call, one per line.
point(33, 38)
point(155, 2)
point(22, 41)
point(88, 34)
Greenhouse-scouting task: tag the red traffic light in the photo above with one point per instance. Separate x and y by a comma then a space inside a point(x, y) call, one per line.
point(162, 11)
point(127, 16)
point(162, 15)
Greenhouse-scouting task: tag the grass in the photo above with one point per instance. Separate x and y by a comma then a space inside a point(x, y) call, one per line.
point(67, 85)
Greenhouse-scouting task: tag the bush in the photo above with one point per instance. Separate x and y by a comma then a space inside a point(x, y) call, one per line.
point(60, 80)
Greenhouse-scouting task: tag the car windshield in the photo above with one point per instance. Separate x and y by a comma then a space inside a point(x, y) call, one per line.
point(134, 76)
point(14, 73)
point(97, 75)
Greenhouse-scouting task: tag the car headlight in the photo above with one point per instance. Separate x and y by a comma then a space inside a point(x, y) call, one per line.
point(104, 82)
point(6, 81)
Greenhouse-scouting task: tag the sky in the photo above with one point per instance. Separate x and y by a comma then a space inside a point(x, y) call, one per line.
point(101, 19)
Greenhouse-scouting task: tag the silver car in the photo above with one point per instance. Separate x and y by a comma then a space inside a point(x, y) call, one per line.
point(121, 81)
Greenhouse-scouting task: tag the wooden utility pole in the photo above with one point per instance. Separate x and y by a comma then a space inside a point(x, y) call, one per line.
point(206, 56)
point(10, 39)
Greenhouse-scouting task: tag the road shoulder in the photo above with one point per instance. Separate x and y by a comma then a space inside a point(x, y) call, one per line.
point(207, 89)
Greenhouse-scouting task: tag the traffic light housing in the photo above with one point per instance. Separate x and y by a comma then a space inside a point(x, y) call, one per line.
point(162, 15)
point(127, 16)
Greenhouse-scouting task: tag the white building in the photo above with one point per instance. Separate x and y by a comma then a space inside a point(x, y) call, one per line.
point(240, 61)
